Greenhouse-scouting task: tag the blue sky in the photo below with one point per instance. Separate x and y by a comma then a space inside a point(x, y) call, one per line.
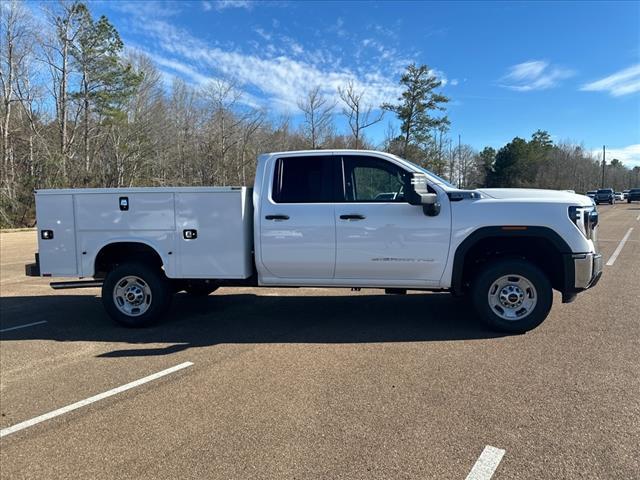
point(509, 68)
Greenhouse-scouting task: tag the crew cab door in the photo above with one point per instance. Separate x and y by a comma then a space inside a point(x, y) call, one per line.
point(381, 236)
point(297, 224)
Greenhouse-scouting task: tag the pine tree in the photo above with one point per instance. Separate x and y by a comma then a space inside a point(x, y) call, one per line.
point(106, 82)
point(415, 107)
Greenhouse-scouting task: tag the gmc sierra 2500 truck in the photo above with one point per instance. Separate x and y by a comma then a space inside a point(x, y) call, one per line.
point(339, 218)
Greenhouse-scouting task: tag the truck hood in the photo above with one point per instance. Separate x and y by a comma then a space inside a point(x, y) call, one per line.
point(535, 194)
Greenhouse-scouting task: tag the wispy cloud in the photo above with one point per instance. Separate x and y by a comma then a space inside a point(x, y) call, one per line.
point(534, 75)
point(219, 5)
point(172, 68)
point(621, 83)
point(175, 66)
point(148, 9)
point(279, 72)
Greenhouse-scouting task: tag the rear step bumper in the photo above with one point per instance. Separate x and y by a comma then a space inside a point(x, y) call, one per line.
point(33, 269)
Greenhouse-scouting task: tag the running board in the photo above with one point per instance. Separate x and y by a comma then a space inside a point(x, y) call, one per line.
point(76, 284)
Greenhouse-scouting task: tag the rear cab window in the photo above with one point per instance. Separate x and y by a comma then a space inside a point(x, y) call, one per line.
point(305, 179)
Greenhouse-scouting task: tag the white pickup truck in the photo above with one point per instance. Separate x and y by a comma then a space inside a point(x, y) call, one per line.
point(332, 218)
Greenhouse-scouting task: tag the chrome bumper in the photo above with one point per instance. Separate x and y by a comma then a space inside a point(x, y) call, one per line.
point(587, 268)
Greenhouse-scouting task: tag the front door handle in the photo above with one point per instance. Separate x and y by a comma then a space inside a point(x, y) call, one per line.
point(352, 216)
point(277, 217)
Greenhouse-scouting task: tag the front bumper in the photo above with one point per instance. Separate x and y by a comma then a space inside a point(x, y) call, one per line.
point(586, 269)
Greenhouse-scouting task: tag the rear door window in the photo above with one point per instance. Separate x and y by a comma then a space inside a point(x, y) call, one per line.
point(308, 179)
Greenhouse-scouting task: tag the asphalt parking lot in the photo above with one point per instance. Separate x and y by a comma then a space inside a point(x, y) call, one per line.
point(322, 383)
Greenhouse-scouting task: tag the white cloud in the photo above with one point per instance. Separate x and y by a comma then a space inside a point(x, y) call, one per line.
point(220, 5)
point(454, 82)
point(534, 75)
point(194, 76)
point(265, 35)
point(147, 9)
point(170, 66)
point(629, 155)
point(279, 74)
point(624, 82)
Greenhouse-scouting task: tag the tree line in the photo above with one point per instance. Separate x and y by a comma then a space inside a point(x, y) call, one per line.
point(79, 110)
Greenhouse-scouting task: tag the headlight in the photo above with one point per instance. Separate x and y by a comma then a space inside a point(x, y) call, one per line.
point(586, 219)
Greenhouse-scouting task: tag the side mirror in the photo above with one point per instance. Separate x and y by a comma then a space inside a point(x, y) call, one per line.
point(417, 193)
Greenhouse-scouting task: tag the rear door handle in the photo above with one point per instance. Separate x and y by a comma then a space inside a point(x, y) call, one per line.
point(352, 216)
point(277, 217)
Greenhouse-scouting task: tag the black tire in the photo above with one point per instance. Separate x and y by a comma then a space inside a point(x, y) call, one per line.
point(517, 268)
point(155, 305)
point(628, 201)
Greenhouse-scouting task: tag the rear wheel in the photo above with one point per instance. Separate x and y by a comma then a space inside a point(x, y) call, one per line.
point(512, 296)
point(136, 294)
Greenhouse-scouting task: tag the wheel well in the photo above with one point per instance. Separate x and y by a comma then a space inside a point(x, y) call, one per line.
point(540, 251)
point(115, 254)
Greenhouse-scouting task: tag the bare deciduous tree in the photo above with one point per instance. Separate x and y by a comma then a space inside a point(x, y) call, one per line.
point(318, 116)
point(359, 115)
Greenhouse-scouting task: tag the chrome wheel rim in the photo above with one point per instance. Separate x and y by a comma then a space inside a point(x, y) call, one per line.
point(512, 297)
point(132, 296)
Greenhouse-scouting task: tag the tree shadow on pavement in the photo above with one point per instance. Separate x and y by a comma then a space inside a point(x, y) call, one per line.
point(247, 318)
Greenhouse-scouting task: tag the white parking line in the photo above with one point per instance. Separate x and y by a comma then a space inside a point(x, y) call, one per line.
point(22, 326)
point(612, 260)
point(486, 464)
point(83, 403)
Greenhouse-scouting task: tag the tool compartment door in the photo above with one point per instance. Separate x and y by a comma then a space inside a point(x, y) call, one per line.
point(214, 234)
point(58, 255)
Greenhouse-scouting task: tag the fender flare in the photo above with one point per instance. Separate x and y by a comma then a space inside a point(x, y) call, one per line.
point(523, 231)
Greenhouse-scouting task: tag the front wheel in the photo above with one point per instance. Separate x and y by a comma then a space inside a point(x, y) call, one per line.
point(512, 296)
point(135, 294)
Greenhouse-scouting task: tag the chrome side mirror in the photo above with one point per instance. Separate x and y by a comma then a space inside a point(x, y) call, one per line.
point(417, 193)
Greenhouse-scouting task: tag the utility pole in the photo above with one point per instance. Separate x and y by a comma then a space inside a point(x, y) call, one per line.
point(603, 163)
point(459, 163)
point(452, 164)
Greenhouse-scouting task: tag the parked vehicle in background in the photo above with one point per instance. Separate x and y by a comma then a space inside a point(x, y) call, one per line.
point(625, 194)
point(333, 218)
point(619, 196)
point(605, 195)
point(634, 195)
point(591, 193)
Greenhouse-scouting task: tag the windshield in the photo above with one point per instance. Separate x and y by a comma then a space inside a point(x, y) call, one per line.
point(606, 190)
point(431, 174)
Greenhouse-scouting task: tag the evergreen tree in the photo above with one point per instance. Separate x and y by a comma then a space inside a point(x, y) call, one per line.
point(106, 82)
point(414, 109)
